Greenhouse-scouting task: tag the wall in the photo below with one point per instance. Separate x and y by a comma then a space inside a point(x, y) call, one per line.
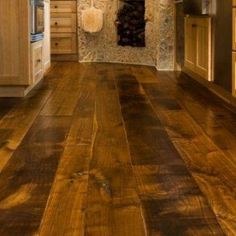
point(102, 46)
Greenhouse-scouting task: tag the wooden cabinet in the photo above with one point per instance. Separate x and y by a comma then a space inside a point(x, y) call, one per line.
point(234, 3)
point(63, 22)
point(14, 42)
point(63, 7)
point(47, 40)
point(21, 63)
point(64, 29)
point(63, 43)
point(190, 43)
point(198, 46)
point(37, 61)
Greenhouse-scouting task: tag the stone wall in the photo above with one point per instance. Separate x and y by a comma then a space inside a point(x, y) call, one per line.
point(102, 46)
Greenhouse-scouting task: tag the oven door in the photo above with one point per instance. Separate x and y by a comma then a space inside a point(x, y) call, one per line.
point(39, 19)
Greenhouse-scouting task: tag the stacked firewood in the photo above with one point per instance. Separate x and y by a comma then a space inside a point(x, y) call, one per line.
point(131, 24)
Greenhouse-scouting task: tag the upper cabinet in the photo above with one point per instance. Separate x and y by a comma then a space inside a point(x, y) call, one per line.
point(198, 46)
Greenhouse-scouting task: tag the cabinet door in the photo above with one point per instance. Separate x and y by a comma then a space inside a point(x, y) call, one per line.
point(234, 74)
point(37, 61)
point(14, 42)
point(190, 43)
point(234, 28)
point(234, 3)
point(203, 47)
point(47, 40)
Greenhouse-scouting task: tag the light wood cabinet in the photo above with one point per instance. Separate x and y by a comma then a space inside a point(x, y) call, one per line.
point(21, 63)
point(63, 22)
point(198, 46)
point(64, 29)
point(63, 43)
point(14, 42)
point(63, 6)
point(37, 61)
point(47, 39)
point(190, 43)
point(234, 3)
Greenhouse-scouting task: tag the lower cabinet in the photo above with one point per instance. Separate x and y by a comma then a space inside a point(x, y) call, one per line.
point(198, 46)
point(37, 62)
point(63, 43)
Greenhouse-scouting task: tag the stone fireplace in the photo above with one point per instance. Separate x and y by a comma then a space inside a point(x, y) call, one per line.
point(131, 23)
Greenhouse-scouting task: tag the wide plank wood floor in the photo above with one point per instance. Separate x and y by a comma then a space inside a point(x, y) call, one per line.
point(117, 150)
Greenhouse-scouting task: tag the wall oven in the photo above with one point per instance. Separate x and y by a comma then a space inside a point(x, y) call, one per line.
point(37, 17)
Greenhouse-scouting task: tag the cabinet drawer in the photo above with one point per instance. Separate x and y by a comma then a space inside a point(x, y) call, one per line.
point(63, 6)
point(63, 22)
point(37, 61)
point(63, 43)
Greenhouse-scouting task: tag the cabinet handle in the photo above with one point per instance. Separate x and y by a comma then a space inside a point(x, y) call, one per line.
point(56, 44)
point(39, 60)
point(56, 6)
point(194, 25)
point(56, 23)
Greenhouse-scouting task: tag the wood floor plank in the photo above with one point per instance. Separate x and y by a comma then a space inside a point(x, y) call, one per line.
point(15, 124)
point(117, 150)
point(26, 180)
point(113, 206)
point(65, 211)
point(64, 99)
point(213, 171)
point(165, 186)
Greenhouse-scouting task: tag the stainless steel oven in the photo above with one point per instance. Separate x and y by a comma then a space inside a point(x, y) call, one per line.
point(37, 16)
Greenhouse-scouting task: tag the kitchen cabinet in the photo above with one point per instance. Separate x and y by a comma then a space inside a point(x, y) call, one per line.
point(198, 46)
point(234, 3)
point(63, 43)
point(22, 63)
point(64, 30)
point(63, 22)
point(47, 38)
point(14, 43)
point(63, 7)
point(37, 61)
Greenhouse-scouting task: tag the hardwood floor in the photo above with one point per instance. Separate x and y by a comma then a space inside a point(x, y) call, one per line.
point(117, 150)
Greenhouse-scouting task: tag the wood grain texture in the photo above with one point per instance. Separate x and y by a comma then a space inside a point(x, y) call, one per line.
point(117, 150)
